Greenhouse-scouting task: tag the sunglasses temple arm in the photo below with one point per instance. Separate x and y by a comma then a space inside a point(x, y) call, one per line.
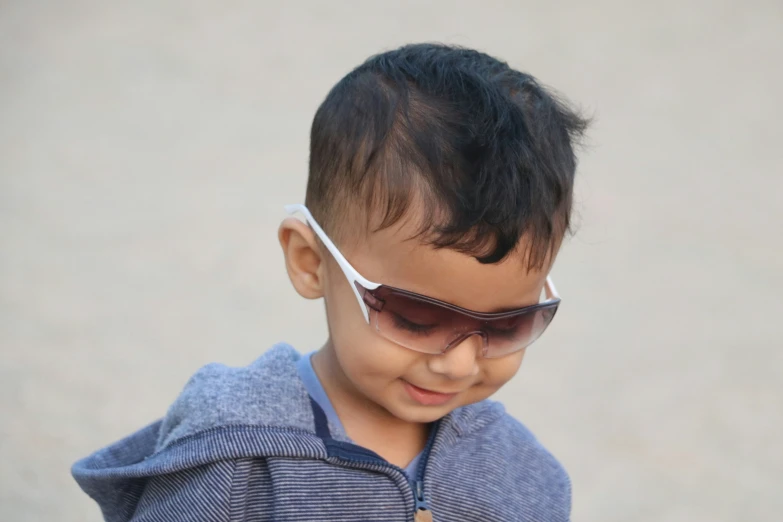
point(350, 272)
point(551, 291)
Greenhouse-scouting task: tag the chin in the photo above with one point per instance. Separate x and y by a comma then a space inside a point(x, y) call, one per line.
point(421, 414)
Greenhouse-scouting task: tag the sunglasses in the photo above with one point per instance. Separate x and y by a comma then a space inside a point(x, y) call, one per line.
point(428, 325)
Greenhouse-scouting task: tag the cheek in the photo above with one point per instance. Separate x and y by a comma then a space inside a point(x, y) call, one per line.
point(369, 361)
point(342, 308)
point(347, 325)
point(495, 373)
point(498, 372)
point(375, 366)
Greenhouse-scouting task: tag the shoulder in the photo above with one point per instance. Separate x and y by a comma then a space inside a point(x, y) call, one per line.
point(503, 452)
point(268, 392)
point(514, 443)
point(488, 424)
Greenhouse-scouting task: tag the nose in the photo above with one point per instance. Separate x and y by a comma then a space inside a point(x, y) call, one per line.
point(459, 361)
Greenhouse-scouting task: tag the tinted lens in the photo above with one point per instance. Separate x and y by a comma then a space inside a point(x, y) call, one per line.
point(415, 324)
point(428, 327)
point(511, 334)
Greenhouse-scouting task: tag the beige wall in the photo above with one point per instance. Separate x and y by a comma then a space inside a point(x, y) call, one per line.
point(146, 151)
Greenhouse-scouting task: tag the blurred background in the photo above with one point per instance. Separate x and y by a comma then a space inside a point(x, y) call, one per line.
point(147, 149)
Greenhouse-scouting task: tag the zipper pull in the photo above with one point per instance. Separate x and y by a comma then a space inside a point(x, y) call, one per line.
point(422, 511)
point(425, 515)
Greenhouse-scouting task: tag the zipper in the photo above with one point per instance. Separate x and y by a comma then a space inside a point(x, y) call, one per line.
point(357, 456)
point(421, 512)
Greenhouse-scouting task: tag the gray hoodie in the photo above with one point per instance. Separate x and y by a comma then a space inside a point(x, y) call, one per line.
point(249, 444)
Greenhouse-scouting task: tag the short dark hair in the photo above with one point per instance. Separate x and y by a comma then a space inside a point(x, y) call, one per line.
point(486, 148)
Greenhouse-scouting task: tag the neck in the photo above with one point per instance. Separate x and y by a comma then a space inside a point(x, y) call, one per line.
point(367, 423)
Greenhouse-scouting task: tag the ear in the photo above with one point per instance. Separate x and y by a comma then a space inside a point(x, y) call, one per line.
point(303, 259)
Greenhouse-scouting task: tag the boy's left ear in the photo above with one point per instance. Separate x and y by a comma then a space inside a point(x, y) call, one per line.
point(303, 259)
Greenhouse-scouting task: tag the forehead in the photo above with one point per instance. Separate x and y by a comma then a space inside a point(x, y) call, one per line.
point(391, 257)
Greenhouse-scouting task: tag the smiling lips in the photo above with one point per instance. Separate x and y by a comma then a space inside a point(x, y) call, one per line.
point(427, 397)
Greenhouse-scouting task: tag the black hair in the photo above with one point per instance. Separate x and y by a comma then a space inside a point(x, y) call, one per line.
point(487, 151)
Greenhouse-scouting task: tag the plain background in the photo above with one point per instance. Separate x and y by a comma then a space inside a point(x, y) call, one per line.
point(147, 149)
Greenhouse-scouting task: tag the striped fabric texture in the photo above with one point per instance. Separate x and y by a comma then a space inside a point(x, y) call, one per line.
point(248, 444)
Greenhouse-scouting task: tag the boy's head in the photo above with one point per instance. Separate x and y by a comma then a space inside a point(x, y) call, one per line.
point(444, 172)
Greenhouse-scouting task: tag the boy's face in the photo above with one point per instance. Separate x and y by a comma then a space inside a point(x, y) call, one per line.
point(395, 378)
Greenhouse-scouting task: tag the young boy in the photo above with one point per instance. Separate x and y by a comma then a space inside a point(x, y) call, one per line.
point(439, 191)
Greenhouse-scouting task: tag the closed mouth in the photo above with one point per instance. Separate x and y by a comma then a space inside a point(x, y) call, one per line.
point(428, 397)
point(427, 390)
